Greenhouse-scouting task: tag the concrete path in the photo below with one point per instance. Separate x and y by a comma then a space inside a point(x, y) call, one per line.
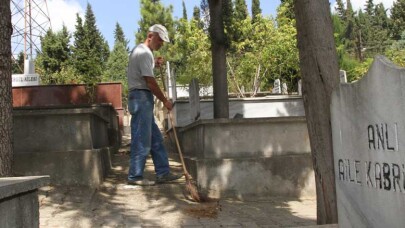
point(116, 204)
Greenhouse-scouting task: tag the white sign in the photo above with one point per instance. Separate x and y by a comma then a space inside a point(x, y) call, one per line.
point(25, 80)
point(368, 130)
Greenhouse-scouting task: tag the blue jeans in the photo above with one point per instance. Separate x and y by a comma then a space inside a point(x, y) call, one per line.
point(145, 136)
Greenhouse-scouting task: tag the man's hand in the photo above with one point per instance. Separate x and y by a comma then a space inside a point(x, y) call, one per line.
point(154, 88)
point(159, 61)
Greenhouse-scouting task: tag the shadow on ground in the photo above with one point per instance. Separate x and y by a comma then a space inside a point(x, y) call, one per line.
point(116, 204)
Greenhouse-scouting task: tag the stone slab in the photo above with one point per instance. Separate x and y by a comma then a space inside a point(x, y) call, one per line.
point(237, 138)
point(194, 100)
point(10, 186)
point(368, 143)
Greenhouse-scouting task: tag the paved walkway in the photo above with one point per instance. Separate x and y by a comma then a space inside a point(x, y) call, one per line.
point(116, 204)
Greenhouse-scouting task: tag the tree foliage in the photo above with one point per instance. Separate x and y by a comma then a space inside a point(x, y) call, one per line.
point(54, 57)
point(193, 56)
point(397, 19)
point(288, 12)
point(120, 37)
point(116, 67)
point(90, 52)
point(18, 64)
point(258, 49)
point(256, 10)
point(360, 35)
point(241, 11)
point(184, 10)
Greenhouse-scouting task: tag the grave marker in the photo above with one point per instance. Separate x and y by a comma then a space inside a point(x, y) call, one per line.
point(368, 130)
point(277, 86)
point(194, 96)
point(343, 77)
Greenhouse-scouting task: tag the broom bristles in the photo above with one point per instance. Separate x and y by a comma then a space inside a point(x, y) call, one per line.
point(192, 190)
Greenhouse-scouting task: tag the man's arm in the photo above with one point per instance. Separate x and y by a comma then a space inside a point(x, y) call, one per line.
point(154, 88)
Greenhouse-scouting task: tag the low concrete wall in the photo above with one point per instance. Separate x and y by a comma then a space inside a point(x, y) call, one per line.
point(255, 137)
point(19, 206)
point(250, 157)
point(73, 94)
point(259, 107)
point(79, 168)
point(72, 144)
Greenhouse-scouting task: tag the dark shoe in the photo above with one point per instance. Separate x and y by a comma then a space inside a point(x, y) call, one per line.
point(168, 177)
point(143, 182)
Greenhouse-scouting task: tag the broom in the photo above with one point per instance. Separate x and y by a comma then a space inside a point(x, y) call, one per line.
point(190, 186)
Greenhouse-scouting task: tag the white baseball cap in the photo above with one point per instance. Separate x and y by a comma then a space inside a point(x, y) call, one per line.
point(161, 30)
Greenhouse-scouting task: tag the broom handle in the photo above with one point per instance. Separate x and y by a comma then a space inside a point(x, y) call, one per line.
point(178, 147)
point(187, 175)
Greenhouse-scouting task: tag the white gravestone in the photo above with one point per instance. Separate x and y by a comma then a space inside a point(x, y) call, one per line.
point(300, 87)
point(284, 88)
point(171, 82)
point(194, 97)
point(277, 86)
point(29, 78)
point(343, 77)
point(368, 130)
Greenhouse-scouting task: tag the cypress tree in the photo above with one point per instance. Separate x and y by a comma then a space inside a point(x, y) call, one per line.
point(370, 7)
point(397, 19)
point(119, 36)
point(54, 56)
point(290, 5)
point(227, 14)
point(196, 13)
point(380, 30)
point(98, 47)
point(381, 18)
point(91, 50)
point(117, 64)
point(55, 51)
point(240, 12)
point(228, 18)
point(184, 11)
point(116, 67)
point(79, 49)
point(349, 16)
point(197, 17)
point(340, 9)
point(255, 9)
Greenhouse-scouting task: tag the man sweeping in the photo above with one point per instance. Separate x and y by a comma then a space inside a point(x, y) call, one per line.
point(145, 135)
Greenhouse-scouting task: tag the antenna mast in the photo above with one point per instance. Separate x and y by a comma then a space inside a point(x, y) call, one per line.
point(30, 19)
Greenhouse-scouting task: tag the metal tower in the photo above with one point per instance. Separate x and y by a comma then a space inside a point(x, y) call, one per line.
point(30, 19)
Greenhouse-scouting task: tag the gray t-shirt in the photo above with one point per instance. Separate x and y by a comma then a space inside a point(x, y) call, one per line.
point(141, 64)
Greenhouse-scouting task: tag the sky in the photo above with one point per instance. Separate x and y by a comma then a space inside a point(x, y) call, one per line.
point(127, 13)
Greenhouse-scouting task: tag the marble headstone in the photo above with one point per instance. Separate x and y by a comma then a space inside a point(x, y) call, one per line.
point(277, 86)
point(300, 87)
point(343, 77)
point(284, 88)
point(194, 91)
point(368, 130)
